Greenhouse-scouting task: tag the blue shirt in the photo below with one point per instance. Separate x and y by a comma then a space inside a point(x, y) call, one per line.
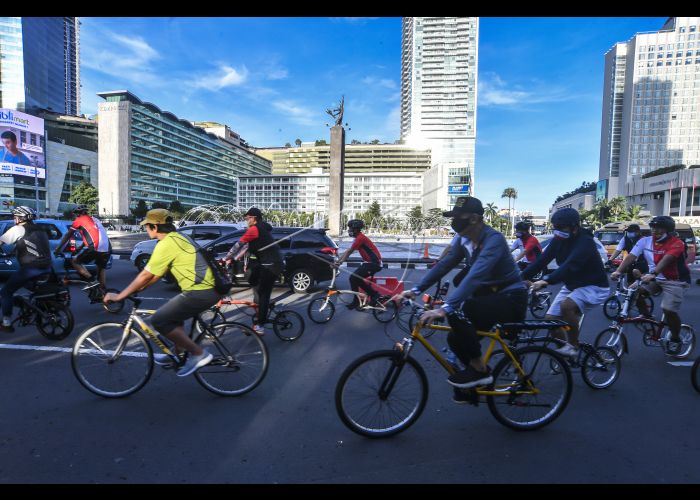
point(7, 157)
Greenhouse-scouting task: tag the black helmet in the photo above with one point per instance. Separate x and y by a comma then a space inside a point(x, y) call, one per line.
point(566, 217)
point(634, 228)
point(24, 213)
point(663, 221)
point(356, 224)
point(522, 226)
point(80, 210)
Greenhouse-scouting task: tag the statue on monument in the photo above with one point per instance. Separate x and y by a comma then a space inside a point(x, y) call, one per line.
point(337, 113)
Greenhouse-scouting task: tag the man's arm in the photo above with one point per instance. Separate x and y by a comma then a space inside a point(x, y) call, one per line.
point(143, 280)
point(345, 256)
point(541, 263)
point(445, 265)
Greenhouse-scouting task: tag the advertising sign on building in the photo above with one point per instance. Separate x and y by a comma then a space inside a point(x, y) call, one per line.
point(601, 190)
point(22, 147)
point(458, 189)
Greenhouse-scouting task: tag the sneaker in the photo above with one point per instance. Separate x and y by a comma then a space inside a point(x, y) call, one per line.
point(259, 329)
point(193, 363)
point(567, 350)
point(470, 378)
point(162, 359)
point(459, 397)
point(7, 328)
point(673, 347)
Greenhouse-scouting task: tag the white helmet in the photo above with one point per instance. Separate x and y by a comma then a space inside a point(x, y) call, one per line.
point(24, 213)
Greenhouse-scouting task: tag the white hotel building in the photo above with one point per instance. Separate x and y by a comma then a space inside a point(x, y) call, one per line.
point(651, 120)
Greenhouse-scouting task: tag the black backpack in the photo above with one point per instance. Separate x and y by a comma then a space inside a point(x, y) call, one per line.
point(222, 279)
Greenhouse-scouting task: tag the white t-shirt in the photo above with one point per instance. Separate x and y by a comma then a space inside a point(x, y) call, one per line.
point(12, 235)
point(645, 246)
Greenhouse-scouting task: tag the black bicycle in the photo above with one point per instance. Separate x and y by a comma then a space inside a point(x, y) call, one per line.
point(47, 307)
point(94, 289)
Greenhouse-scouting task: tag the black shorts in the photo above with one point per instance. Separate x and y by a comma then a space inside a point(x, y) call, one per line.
point(86, 255)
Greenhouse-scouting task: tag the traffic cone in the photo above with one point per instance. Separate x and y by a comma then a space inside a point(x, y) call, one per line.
point(425, 252)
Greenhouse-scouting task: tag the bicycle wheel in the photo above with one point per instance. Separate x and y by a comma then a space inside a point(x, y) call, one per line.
point(113, 307)
point(388, 314)
point(614, 338)
point(288, 325)
point(541, 305)
point(612, 307)
point(55, 322)
point(695, 375)
point(521, 408)
point(212, 316)
point(600, 367)
point(321, 310)
point(381, 394)
point(240, 359)
point(101, 370)
point(426, 332)
point(687, 339)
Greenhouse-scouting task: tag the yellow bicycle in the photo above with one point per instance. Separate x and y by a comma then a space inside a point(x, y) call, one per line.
point(384, 392)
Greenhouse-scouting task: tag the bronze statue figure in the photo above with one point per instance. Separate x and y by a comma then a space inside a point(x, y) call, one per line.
point(337, 113)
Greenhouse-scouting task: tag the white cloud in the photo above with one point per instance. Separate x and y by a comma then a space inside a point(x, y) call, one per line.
point(379, 82)
point(353, 20)
point(295, 112)
point(277, 74)
point(226, 76)
point(494, 91)
point(392, 124)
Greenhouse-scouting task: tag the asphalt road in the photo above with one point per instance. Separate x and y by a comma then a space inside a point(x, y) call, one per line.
point(643, 429)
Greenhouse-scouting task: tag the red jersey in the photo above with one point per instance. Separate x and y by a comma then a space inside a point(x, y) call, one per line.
point(532, 248)
point(93, 234)
point(368, 251)
point(678, 270)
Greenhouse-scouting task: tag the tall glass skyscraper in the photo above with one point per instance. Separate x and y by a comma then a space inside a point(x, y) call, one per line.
point(438, 100)
point(40, 64)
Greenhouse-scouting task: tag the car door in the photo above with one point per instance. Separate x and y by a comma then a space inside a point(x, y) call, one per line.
point(204, 235)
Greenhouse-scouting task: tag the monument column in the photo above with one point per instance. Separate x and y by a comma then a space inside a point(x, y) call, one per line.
point(336, 181)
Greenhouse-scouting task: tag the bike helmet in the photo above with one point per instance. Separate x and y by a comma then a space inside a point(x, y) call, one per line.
point(354, 226)
point(24, 213)
point(80, 210)
point(633, 228)
point(664, 222)
point(566, 217)
point(522, 226)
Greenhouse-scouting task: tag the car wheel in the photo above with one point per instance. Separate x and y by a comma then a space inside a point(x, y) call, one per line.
point(301, 280)
point(141, 261)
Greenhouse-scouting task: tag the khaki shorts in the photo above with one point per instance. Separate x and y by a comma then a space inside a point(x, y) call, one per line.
point(672, 293)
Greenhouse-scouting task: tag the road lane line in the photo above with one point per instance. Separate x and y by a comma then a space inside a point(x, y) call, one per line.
point(20, 347)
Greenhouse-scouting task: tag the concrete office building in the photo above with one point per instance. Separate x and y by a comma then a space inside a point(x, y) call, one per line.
point(396, 192)
point(40, 64)
point(149, 154)
point(659, 120)
point(439, 65)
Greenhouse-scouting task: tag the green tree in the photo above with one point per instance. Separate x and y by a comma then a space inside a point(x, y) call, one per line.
point(415, 218)
point(374, 210)
point(490, 213)
point(321, 142)
point(159, 204)
point(176, 207)
point(511, 194)
point(618, 208)
point(287, 145)
point(634, 212)
point(85, 194)
point(355, 141)
point(375, 141)
point(140, 210)
point(298, 143)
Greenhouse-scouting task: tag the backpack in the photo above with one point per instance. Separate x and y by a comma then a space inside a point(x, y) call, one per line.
point(222, 280)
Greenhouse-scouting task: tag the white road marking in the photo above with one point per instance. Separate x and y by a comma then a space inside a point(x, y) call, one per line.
point(681, 363)
point(20, 347)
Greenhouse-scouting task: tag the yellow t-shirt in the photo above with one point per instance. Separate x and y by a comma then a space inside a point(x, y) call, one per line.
point(176, 254)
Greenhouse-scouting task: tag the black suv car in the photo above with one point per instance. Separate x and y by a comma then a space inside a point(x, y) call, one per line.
point(307, 254)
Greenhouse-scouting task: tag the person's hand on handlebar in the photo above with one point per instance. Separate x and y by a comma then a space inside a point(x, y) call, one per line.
point(615, 275)
point(538, 284)
point(429, 316)
point(111, 297)
point(406, 294)
point(648, 277)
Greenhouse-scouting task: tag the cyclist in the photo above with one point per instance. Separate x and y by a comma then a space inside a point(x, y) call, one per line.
point(96, 245)
point(666, 254)
point(178, 254)
point(371, 263)
point(491, 291)
point(633, 234)
point(581, 270)
point(527, 244)
point(33, 253)
point(266, 266)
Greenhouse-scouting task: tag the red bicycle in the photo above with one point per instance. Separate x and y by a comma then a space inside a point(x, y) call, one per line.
point(655, 333)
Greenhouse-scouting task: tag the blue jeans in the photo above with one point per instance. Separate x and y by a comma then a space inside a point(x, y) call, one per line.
point(16, 281)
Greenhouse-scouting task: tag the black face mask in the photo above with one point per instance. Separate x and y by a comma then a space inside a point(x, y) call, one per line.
point(460, 225)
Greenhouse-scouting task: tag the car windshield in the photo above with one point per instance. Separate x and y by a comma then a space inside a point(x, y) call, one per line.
point(609, 238)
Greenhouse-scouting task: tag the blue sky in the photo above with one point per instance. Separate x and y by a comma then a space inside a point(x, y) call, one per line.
point(271, 79)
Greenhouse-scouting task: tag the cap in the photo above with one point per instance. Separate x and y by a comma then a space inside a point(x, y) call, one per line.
point(466, 205)
point(254, 212)
point(157, 216)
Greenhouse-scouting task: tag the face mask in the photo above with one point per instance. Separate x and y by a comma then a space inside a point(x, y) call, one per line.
point(518, 235)
point(631, 235)
point(460, 225)
point(661, 238)
point(562, 235)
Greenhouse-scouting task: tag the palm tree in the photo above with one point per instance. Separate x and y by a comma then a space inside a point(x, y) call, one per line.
point(490, 212)
point(298, 143)
point(634, 211)
point(617, 207)
point(511, 194)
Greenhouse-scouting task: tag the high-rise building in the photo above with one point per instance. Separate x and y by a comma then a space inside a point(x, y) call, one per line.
point(659, 120)
point(40, 64)
point(439, 64)
point(149, 154)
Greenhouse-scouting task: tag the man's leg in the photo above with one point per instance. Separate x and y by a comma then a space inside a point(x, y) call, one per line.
point(571, 313)
point(262, 293)
point(371, 270)
point(356, 281)
point(14, 283)
point(77, 263)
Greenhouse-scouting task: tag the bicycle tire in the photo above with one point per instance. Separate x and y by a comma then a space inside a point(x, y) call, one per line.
point(364, 411)
point(240, 363)
point(55, 322)
point(113, 307)
point(539, 309)
point(695, 375)
point(536, 361)
point(321, 310)
point(614, 338)
point(98, 373)
point(388, 314)
point(288, 325)
point(601, 367)
point(612, 307)
point(688, 337)
point(212, 316)
point(426, 332)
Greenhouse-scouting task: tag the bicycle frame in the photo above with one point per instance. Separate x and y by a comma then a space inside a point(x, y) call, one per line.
point(361, 296)
point(141, 325)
